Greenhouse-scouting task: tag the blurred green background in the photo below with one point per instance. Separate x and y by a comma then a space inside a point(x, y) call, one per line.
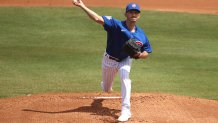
point(59, 49)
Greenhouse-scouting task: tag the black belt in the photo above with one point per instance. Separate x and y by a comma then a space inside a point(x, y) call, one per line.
point(112, 58)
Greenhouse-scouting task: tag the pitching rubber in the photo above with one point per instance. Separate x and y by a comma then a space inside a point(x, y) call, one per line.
point(101, 97)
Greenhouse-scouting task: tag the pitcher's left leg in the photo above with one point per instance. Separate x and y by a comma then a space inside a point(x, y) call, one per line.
point(126, 90)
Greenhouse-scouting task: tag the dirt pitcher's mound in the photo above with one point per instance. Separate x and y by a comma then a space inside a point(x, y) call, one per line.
point(99, 108)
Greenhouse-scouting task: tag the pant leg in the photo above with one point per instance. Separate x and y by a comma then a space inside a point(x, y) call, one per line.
point(124, 70)
point(109, 70)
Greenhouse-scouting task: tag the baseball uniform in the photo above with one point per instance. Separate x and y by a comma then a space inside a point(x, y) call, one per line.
point(115, 60)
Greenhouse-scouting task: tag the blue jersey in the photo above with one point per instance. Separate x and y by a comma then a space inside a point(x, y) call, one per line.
point(118, 33)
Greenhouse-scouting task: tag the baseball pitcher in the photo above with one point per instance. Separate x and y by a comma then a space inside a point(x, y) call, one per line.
point(125, 41)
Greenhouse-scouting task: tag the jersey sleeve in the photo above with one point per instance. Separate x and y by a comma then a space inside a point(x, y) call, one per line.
point(109, 22)
point(147, 47)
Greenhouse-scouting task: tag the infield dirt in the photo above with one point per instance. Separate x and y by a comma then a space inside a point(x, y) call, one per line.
point(190, 6)
point(146, 108)
point(74, 108)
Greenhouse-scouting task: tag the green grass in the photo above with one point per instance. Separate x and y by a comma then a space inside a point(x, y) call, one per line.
point(59, 50)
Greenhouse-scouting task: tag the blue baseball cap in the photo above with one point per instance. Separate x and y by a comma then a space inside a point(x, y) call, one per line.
point(133, 6)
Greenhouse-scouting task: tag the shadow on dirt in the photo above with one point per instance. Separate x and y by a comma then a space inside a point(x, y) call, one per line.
point(96, 108)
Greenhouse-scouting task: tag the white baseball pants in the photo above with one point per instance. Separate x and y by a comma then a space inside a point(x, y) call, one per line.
point(109, 70)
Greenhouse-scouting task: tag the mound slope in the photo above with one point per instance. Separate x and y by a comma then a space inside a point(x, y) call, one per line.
point(84, 107)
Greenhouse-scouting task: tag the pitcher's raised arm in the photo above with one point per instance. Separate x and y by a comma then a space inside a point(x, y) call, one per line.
point(93, 15)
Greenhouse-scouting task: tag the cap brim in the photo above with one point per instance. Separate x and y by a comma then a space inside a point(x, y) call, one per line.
point(134, 9)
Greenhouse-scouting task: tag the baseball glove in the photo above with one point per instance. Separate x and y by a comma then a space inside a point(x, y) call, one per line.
point(132, 48)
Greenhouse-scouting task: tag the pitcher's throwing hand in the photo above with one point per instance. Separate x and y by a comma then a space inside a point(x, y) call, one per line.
point(78, 3)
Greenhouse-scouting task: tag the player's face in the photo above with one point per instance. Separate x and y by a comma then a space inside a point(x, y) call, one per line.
point(132, 15)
